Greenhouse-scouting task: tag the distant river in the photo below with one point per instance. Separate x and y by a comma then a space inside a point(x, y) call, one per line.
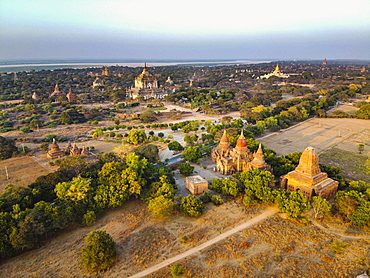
point(19, 66)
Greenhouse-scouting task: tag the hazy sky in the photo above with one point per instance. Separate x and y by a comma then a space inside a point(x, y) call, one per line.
point(191, 29)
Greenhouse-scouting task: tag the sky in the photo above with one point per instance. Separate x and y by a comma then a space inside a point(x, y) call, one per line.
point(184, 30)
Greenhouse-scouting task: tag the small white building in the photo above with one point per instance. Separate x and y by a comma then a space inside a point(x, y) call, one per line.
point(196, 184)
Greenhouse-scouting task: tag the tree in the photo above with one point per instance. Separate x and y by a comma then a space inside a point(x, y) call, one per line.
point(192, 154)
point(361, 216)
point(175, 146)
point(226, 186)
point(72, 116)
point(192, 206)
point(361, 147)
point(148, 116)
point(149, 151)
point(186, 169)
point(348, 201)
point(7, 148)
point(75, 191)
point(293, 203)
point(136, 137)
point(363, 112)
point(320, 206)
point(161, 206)
point(99, 253)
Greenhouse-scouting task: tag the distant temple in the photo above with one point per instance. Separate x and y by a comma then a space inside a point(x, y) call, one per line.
point(57, 92)
point(324, 63)
point(229, 161)
point(105, 71)
point(146, 86)
point(308, 178)
point(35, 97)
point(276, 73)
point(56, 152)
point(98, 82)
point(71, 97)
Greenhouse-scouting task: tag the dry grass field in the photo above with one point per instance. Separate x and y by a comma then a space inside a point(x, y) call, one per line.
point(275, 247)
point(23, 171)
point(335, 140)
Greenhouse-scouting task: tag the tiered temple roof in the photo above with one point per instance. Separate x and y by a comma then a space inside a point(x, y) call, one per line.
point(308, 178)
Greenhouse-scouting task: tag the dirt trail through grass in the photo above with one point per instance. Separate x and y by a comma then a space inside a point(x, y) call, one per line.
point(267, 213)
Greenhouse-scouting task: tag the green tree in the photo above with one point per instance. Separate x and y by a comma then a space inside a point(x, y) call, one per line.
point(7, 148)
point(361, 216)
point(320, 206)
point(99, 253)
point(226, 186)
point(348, 201)
point(75, 191)
point(161, 206)
point(136, 137)
point(363, 112)
point(148, 116)
point(192, 154)
point(175, 146)
point(149, 151)
point(192, 206)
point(293, 203)
point(186, 169)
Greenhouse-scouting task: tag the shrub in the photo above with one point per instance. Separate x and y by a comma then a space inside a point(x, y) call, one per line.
point(217, 200)
point(99, 253)
point(177, 270)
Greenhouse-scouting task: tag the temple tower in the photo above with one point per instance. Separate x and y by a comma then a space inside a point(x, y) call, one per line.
point(55, 151)
point(308, 178)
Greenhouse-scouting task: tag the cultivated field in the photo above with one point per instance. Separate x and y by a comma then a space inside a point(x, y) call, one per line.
point(326, 135)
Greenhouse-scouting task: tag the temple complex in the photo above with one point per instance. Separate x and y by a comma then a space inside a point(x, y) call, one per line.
point(308, 178)
point(231, 160)
point(146, 86)
point(55, 151)
point(276, 73)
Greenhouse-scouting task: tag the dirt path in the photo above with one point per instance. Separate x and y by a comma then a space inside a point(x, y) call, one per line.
point(343, 236)
point(267, 213)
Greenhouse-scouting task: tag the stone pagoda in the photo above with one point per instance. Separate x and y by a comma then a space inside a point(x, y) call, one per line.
point(57, 92)
point(71, 97)
point(308, 178)
point(55, 151)
point(258, 161)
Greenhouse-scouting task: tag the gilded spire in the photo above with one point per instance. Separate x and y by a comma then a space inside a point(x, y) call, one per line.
point(241, 142)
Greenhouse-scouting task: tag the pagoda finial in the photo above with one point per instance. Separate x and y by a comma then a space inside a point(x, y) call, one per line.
point(277, 68)
point(242, 134)
point(145, 69)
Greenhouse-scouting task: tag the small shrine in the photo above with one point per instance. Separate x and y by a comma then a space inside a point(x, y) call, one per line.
point(196, 184)
point(57, 92)
point(71, 97)
point(55, 151)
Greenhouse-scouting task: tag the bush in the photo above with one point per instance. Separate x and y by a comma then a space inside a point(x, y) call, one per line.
point(177, 270)
point(338, 246)
point(89, 218)
point(192, 206)
point(184, 239)
point(100, 252)
point(217, 200)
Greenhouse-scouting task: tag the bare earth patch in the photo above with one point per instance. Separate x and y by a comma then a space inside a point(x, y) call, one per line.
point(275, 247)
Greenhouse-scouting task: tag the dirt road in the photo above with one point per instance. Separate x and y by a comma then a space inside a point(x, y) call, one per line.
point(267, 213)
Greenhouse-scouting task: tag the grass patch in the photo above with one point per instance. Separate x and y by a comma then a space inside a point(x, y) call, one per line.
point(158, 108)
point(352, 164)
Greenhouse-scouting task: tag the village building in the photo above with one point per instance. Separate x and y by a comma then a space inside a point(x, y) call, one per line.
point(276, 73)
point(308, 178)
point(146, 86)
point(231, 160)
point(55, 151)
point(196, 184)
